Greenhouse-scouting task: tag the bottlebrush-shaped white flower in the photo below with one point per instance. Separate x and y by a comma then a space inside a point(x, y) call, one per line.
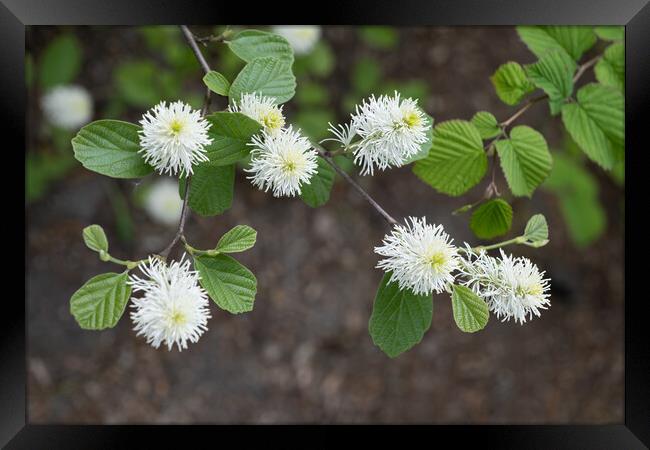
point(301, 37)
point(173, 138)
point(68, 107)
point(174, 308)
point(420, 256)
point(282, 161)
point(512, 287)
point(262, 109)
point(391, 131)
point(163, 203)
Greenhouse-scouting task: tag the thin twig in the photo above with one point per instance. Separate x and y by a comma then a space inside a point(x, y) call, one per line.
point(189, 37)
point(327, 157)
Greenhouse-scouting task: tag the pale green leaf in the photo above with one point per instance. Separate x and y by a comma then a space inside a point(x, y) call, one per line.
point(511, 83)
point(471, 313)
point(100, 302)
point(211, 189)
point(110, 147)
point(95, 238)
point(230, 133)
point(251, 44)
point(486, 124)
point(611, 32)
point(597, 122)
point(231, 285)
point(574, 40)
point(536, 231)
point(456, 161)
point(525, 160)
point(493, 218)
point(60, 62)
point(217, 83)
point(317, 192)
point(553, 73)
point(238, 239)
point(577, 192)
point(610, 70)
point(269, 76)
point(399, 318)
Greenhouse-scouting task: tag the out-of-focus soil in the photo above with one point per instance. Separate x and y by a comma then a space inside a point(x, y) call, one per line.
point(304, 354)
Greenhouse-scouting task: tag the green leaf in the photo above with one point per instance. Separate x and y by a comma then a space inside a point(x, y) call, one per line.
point(493, 218)
point(95, 238)
point(312, 94)
point(425, 147)
point(554, 74)
point(536, 232)
point(456, 161)
point(597, 123)
point(138, 83)
point(238, 239)
point(269, 76)
point(211, 189)
point(100, 302)
point(574, 40)
point(366, 75)
point(251, 44)
point(231, 285)
point(230, 133)
point(577, 192)
point(611, 33)
point(525, 160)
point(110, 147)
point(379, 37)
point(399, 318)
point(511, 83)
point(486, 124)
point(217, 83)
point(610, 70)
point(471, 313)
point(60, 62)
point(317, 192)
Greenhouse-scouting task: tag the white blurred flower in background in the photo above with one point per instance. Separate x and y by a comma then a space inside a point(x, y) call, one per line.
point(301, 37)
point(68, 106)
point(163, 203)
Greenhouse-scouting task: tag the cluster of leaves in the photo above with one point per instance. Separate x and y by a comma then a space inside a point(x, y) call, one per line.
point(593, 115)
point(101, 301)
point(111, 148)
point(400, 318)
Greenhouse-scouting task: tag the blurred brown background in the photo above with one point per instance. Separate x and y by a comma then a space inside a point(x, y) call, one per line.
point(304, 353)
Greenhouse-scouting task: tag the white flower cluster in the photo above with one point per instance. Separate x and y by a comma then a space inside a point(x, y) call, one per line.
point(282, 159)
point(173, 138)
point(302, 38)
point(391, 130)
point(163, 203)
point(67, 107)
point(174, 308)
point(513, 287)
point(422, 259)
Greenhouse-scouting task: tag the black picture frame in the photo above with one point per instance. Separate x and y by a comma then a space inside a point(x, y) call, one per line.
point(633, 433)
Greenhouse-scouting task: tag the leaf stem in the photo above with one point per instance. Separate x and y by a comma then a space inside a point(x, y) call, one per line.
point(516, 240)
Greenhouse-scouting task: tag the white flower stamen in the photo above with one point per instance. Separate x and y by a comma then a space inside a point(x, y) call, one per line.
point(512, 287)
point(173, 138)
point(391, 131)
point(174, 308)
point(420, 256)
point(282, 161)
point(261, 109)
